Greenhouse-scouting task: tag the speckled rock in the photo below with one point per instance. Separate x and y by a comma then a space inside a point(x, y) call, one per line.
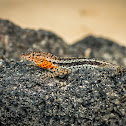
point(90, 97)
point(85, 97)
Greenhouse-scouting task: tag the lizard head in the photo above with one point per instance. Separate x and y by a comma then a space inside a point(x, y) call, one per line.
point(31, 55)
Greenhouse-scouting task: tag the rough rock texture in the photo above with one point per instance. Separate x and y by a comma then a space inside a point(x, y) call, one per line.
point(89, 97)
point(86, 97)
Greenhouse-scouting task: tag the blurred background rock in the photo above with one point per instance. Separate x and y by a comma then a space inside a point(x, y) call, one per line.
point(70, 19)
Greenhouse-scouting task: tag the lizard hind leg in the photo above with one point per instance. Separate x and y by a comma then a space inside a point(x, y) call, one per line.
point(61, 72)
point(119, 70)
point(46, 76)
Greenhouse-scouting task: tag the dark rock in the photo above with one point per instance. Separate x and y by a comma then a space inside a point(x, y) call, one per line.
point(86, 97)
point(103, 49)
point(15, 40)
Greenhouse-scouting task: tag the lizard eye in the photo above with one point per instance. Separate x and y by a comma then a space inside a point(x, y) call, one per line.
point(33, 54)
